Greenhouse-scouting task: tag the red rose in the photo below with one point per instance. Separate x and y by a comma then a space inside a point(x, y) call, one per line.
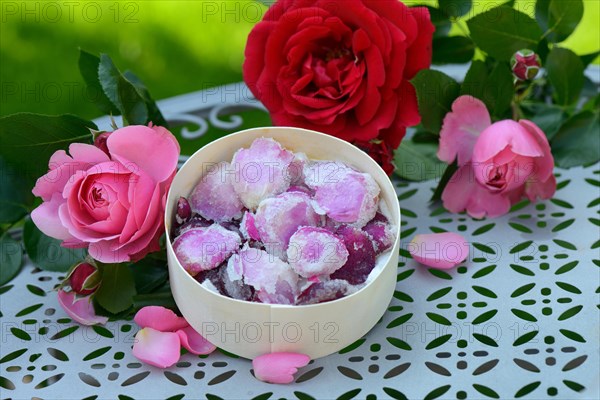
point(381, 152)
point(341, 67)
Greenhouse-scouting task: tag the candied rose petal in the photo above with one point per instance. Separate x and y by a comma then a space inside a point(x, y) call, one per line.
point(161, 349)
point(194, 222)
point(214, 197)
point(361, 257)
point(81, 310)
point(159, 318)
point(277, 218)
point(296, 169)
point(233, 283)
point(320, 292)
point(382, 235)
point(273, 279)
point(342, 193)
point(278, 367)
point(248, 226)
point(316, 251)
point(261, 171)
point(439, 250)
point(201, 249)
point(194, 342)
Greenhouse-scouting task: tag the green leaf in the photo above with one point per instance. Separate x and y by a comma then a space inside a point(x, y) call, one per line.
point(149, 274)
point(436, 393)
point(571, 312)
point(484, 271)
point(558, 18)
point(448, 172)
point(565, 72)
point(522, 290)
point(577, 142)
point(440, 21)
point(418, 161)
point(452, 50)
point(15, 194)
point(46, 252)
point(11, 255)
point(88, 67)
point(485, 292)
point(455, 8)
point(28, 140)
point(502, 31)
point(566, 268)
point(435, 93)
point(116, 292)
point(494, 87)
point(548, 117)
point(121, 92)
point(587, 59)
point(154, 113)
point(578, 387)
point(399, 343)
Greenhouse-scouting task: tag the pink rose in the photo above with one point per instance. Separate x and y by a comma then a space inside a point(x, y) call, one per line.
point(111, 203)
point(498, 163)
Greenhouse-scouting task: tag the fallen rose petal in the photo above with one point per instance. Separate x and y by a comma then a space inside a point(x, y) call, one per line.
point(153, 347)
point(439, 250)
point(81, 310)
point(278, 367)
point(159, 318)
point(194, 342)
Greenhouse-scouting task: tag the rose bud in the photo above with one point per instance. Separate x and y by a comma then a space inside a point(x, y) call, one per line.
point(184, 211)
point(79, 276)
point(100, 142)
point(525, 64)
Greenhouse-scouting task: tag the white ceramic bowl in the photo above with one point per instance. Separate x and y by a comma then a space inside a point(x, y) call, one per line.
point(251, 329)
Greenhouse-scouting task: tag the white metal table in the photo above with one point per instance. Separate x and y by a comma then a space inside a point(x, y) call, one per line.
point(519, 319)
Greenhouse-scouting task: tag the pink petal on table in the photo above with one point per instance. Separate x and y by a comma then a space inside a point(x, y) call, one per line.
point(439, 250)
point(462, 126)
point(159, 318)
point(194, 342)
point(161, 349)
point(278, 367)
point(81, 310)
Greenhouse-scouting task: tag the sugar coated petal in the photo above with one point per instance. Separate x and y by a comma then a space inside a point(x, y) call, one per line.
point(320, 292)
point(439, 250)
point(278, 367)
point(382, 234)
point(261, 171)
point(316, 251)
point(277, 218)
point(345, 195)
point(248, 227)
point(201, 249)
point(214, 197)
point(273, 279)
point(361, 255)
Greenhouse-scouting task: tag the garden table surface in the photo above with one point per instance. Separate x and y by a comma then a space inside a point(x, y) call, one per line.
point(519, 319)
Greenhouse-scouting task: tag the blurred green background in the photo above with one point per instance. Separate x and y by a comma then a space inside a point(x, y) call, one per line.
point(174, 46)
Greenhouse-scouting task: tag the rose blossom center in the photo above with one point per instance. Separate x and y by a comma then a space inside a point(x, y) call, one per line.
point(98, 199)
point(497, 177)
